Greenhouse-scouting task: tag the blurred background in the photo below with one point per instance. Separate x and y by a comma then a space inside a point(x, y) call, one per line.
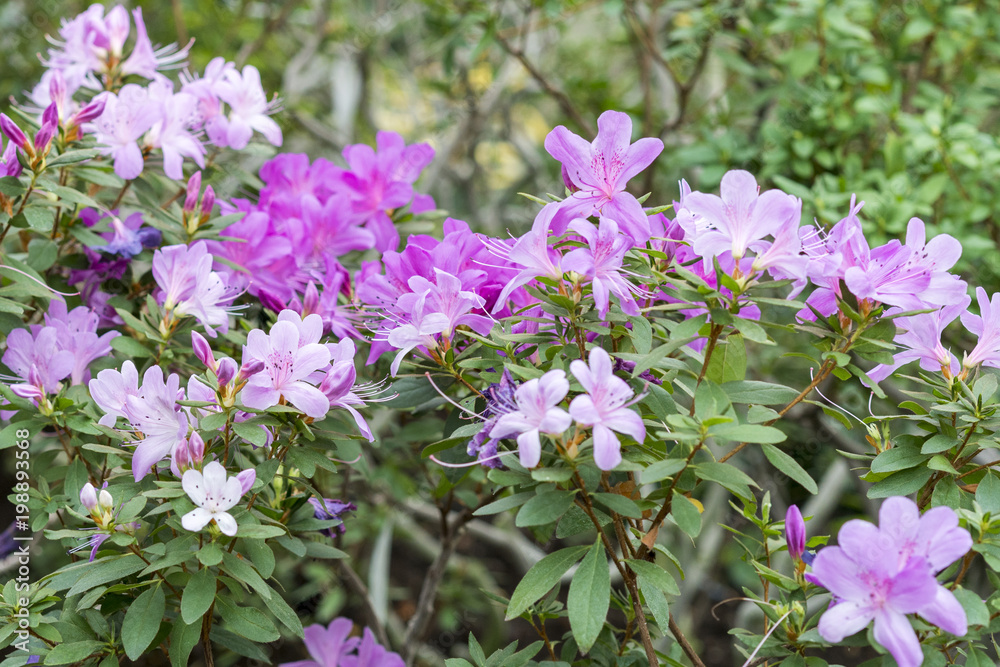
point(896, 101)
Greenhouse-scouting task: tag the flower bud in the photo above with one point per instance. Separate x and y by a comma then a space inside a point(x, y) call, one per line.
point(247, 478)
point(51, 114)
point(203, 350)
point(88, 496)
point(193, 189)
point(250, 368)
point(310, 300)
point(105, 501)
point(182, 458)
point(44, 135)
point(226, 370)
point(795, 533)
point(196, 448)
point(88, 113)
point(270, 301)
point(13, 132)
point(207, 202)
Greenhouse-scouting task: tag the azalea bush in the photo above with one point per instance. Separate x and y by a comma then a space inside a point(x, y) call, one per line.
point(207, 395)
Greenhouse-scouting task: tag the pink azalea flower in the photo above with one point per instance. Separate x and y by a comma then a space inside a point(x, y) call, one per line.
point(249, 110)
point(605, 407)
point(145, 60)
point(531, 255)
point(38, 360)
point(189, 286)
point(126, 117)
point(601, 261)
point(920, 338)
point(77, 334)
point(600, 171)
point(286, 367)
point(986, 326)
point(420, 331)
point(333, 647)
point(536, 413)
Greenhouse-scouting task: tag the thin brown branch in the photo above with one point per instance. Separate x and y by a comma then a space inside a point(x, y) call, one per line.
point(685, 644)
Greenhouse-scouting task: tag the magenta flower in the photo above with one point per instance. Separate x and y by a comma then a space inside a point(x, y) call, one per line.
point(882, 574)
point(600, 171)
point(536, 413)
point(986, 326)
point(601, 261)
point(286, 367)
point(920, 338)
point(739, 220)
point(9, 165)
point(531, 255)
point(795, 532)
point(605, 407)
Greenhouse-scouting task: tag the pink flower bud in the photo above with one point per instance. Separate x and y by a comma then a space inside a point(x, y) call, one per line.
point(226, 371)
point(88, 113)
point(193, 189)
point(182, 457)
point(795, 533)
point(13, 132)
point(203, 350)
point(44, 135)
point(310, 300)
point(51, 114)
point(207, 202)
point(270, 301)
point(88, 496)
point(196, 448)
point(247, 478)
point(250, 368)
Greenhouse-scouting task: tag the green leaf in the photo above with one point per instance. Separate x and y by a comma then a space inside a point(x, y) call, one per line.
point(67, 654)
point(620, 504)
point(790, 467)
point(988, 493)
point(142, 621)
point(975, 609)
point(900, 483)
point(728, 476)
point(198, 596)
point(183, 639)
point(642, 334)
point(686, 515)
point(897, 458)
point(655, 575)
point(242, 571)
point(545, 508)
point(252, 433)
point(257, 531)
point(72, 157)
point(105, 570)
point(759, 393)
point(247, 622)
point(504, 504)
point(661, 470)
point(540, 579)
point(130, 347)
point(589, 597)
point(284, 613)
point(656, 601)
point(729, 361)
point(754, 433)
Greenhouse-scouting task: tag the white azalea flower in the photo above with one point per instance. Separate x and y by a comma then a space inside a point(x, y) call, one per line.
point(215, 494)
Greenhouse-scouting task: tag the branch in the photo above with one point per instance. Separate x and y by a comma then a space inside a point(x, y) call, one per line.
point(685, 644)
point(355, 583)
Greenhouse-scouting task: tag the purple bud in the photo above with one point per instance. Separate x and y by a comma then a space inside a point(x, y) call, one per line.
point(57, 88)
point(795, 533)
point(203, 350)
point(89, 112)
point(331, 508)
point(207, 201)
point(193, 189)
point(251, 368)
point(182, 457)
point(51, 114)
point(310, 300)
point(13, 132)
point(247, 478)
point(226, 371)
point(44, 135)
point(196, 448)
point(270, 301)
point(88, 496)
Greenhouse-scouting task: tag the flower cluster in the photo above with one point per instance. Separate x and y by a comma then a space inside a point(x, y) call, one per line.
point(882, 573)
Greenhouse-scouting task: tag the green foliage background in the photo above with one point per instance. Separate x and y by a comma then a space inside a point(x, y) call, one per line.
point(896, 101)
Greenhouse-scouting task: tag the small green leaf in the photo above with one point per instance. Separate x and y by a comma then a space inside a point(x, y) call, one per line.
point(759, 393)
point(198, 596)
point(142, 622)
point(728, 362)
point(545, 508)
point(540, 579)
point(620, 504)
point(661, 470)
point(69, 653)
point(183, 639)
point(686, 515)
point(248, 622)
point(589, 597)
point(790, 467)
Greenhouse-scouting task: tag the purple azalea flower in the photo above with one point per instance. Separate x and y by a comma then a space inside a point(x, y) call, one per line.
point(215, 493)
point(499, 401)
point(986, 326)
point(882, 574)
point(795, 533)
point(9, 164)
point(13, 132)
point(126, 117)
point(328, 509)
point(381, 179)
point(328, 230)
point(339, 388)
point(39, 361)
point(599, 172)
point(536, 413)
point(151, 409)
point(189, 286)
point(920, 336)
point(605, 407)
point(287, 365)
point(265, 257)
point(249, 110)
point(531, 256)
point(145, 59)
point(420, 331)
point(173, 131)
point(77, 334)
point(333, 647)
point(447, 297)
point(372, 654)
point(128, 237)
point(601, 261)
point(739, 220)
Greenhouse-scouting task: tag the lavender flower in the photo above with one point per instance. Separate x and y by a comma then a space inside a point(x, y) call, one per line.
point(986, 326)
point(601, 170)
point(126, 117)
point(189, 286)
point(499, 401)
point(920, 338)
point(536, 413)
point(38, 361)
point(286, 368)
point(328, 509)
point(605, 407)
point(249, 110)
point(333, 647)
point(795, 533)
point(601, 261)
